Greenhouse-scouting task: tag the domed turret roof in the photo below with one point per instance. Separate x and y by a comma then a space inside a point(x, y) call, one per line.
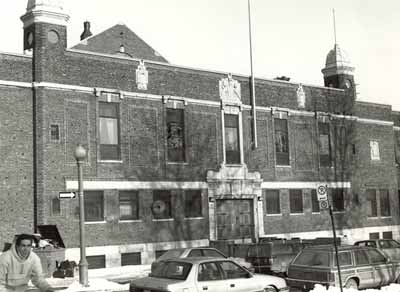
point(337, 57)
point(47, 5)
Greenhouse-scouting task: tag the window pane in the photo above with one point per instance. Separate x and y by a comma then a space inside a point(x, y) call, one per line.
point(374, 235)
point(94, 206)
point(388, 235)
point(55, 206)
point(108, 109)
point(175, 135)
point(281, 142)
point(314, 201)
point(132, 258)
point(372, 206)
point(232, 139)
point(233, 271)
point(338, 200)
point(385, 202)
point(209, 272)
point(96, 262)
point(296, 201)
point(324, 144)
point(54, 133)
point(109, 152)
point(272, 202)
point(361, 257)
point(108, 131)
point(193, 204)
point(375, 257)
point(344, 259)
point(128, 205)
point(161, 206)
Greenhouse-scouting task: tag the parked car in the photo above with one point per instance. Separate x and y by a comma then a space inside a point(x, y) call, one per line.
point(272, 257)
point(200, 274)
point(389, 247)
point(197, 252)
point(361, 267)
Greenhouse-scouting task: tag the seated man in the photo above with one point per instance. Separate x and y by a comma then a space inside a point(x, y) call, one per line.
point(19, 264)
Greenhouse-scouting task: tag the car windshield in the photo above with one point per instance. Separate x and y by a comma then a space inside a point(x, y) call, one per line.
point(173, 253)
point(312, 258)
point(172, 270)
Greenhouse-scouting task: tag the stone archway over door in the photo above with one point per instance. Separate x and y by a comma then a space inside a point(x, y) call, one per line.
point(235, 218)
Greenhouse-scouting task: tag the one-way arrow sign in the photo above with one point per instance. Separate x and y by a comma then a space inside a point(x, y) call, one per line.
point(66, 195)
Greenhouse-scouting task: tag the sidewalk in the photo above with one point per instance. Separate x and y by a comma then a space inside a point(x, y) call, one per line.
point(107, 280)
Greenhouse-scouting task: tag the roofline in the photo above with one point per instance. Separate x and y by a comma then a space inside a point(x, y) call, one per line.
point(16, 54)
point(200, 69)
point(374, 103)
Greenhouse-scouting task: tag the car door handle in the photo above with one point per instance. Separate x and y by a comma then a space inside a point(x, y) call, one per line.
point(232, 285)
point(205, 288)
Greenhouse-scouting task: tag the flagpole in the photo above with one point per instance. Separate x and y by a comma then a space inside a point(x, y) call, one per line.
point(253, 90)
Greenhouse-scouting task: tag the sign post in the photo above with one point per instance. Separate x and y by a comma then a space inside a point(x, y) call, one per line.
point(322, 193)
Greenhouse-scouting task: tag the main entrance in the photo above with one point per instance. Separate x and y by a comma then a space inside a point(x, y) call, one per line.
point(235, 218)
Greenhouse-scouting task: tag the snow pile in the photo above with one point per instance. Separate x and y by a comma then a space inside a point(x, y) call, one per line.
point(390, 288)
point(96, 285)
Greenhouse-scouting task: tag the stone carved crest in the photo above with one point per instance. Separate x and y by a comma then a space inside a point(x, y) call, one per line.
point(229, 89)
point(301, 97)
point(142, 76)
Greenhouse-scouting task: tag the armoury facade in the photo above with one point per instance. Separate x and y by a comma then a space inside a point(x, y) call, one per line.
point(180, 156)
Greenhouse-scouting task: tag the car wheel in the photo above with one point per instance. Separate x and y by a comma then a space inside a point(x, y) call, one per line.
point(351, 283)
point(269, 289)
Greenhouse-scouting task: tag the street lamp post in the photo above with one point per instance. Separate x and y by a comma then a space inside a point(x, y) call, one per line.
point(80, 155)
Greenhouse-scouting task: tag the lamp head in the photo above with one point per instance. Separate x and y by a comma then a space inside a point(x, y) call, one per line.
point(80, 153)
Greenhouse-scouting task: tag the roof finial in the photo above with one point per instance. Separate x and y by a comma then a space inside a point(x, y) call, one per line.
point(334, 24)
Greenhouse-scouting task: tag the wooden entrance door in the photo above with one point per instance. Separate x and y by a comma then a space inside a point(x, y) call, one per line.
point(235, 219)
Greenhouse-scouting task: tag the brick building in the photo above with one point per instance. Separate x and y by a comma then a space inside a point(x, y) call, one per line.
point(176, 155)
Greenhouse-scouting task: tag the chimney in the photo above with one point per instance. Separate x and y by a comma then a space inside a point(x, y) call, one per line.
point(86, 30)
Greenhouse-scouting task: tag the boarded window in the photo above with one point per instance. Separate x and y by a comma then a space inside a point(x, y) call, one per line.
point(372, 206)
point(272, 202)
point(387, 235)
point(109, 131)
point(296, 201)
point(175, 135)
point(161, 206)
point(232, 151)
point(324, 144)
point(96, 262)
point(374, 235)
point(193, 204)
point(281, 141)
point(128, 205)
point(131, 258)
point(94, 206)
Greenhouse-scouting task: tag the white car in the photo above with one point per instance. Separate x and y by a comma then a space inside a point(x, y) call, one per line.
point(189, 252)
point(205, 274)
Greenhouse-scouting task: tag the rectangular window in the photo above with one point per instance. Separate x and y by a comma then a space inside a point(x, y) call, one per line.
point(372, 205)
point(374, 147)
point(193, 204)
point(296, 201)
point(96, 262)
point(374, 235)
point(128, 205)
point(272, 202)
point(387, 235)
point(131, 258)
point(161, 206)
point(324, 144)
point(175, 135)
point(337, 200)
point(54, 133)
point(232, 150)
point(55, 207)
point(314, 202)
point(160, 253)
point(94, 206)
point(281, 141)
point(385, 202)
point(109, 131)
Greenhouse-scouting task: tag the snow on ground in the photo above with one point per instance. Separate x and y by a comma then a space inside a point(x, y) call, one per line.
point(390, 288)
point(96, 284)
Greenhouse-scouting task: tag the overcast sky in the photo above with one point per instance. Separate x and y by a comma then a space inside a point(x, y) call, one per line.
point(290, 37)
